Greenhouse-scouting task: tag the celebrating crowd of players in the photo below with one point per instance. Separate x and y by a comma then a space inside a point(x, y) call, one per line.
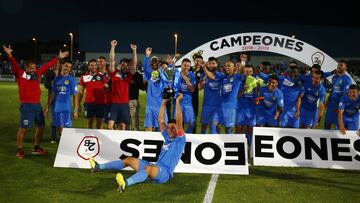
point(237, 97)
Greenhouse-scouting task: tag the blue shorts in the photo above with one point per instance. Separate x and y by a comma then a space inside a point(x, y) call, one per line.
point(163, 175)
point(228, 117)
point(210, 114)
point(187, 112)
point(151, 117)
point(246, 116)
point(308, 118)
point(30, 113)
point(350, 123)
point(120, 113)
point(61, 119)
point(331, 114)
point(288, 119)
point(266, 120)
point(95, 110)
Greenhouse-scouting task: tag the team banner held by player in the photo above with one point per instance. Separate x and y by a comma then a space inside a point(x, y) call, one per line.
point(306, 148)
point(222, 154)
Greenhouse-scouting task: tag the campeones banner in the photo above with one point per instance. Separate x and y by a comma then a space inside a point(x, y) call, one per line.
point(306, 148)
point(266, 42)
point(222, 154)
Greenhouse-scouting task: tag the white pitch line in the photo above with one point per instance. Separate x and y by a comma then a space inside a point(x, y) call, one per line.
point(211, 188)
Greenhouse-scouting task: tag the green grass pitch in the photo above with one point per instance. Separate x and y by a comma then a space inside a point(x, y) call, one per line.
point(34, 179)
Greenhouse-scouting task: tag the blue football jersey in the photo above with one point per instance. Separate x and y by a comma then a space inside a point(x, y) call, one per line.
point(171, 151)
point(63, 87)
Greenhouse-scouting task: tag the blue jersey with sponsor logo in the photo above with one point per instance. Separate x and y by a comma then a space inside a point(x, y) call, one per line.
point(291, 90)
point(157, 81)
point(272, 100)
point(171, 151)
point(64, 87)
point(230, 85)
point(340, 86)
point(350, 107)
point(181, 86)
point(312, 95)
point(212, 91)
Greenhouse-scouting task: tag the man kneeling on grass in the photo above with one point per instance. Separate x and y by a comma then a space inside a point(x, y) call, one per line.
point(162, 170)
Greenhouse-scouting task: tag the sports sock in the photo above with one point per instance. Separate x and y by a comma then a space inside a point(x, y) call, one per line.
point(113, 165)
point(138, 177)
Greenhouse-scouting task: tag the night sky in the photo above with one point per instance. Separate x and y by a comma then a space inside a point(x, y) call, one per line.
point(23, 19)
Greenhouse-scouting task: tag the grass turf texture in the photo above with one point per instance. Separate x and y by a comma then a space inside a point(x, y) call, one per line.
point(34, 179)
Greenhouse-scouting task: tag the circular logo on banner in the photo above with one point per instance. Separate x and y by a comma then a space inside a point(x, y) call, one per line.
point(89, 146)
point(318, 58)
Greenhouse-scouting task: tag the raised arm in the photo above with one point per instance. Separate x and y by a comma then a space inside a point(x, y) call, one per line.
point(112, 56)
point(147, 68)
point(135, 59)
point(14, 66)
point(52, 62)
point(179, 116)
point(161, 118)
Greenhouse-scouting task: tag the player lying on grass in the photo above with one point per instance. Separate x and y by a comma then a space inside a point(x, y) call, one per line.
point(162, 170)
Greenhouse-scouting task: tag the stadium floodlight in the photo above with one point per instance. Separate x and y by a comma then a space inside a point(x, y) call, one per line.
point(176, 41)
point(34, 40)
point(71, 45)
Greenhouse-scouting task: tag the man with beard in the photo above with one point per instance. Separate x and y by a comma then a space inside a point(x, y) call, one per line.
point(340, 85)
point(184, 82)
point(310, 103)
point(210, 107)
point(230, 83)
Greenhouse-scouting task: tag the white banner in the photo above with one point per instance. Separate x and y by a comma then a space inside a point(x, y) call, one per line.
point(306, 148)
point(222, 154)
point(265, 42)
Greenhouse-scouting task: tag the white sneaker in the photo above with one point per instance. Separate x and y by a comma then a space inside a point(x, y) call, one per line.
point(53, 142)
